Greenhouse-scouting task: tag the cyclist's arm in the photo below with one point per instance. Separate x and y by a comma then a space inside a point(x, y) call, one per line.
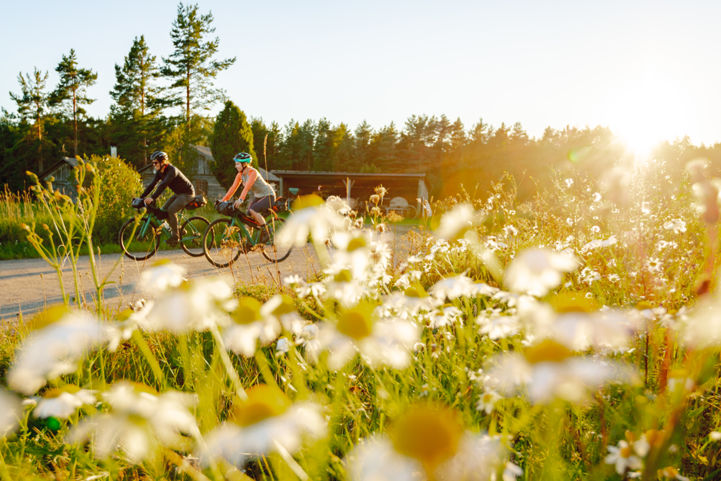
point(169, 175)
point(150, 186)
point(233, 188)
point(252, 175)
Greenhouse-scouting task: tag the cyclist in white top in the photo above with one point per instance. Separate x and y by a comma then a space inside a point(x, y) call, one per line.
point(253, 182)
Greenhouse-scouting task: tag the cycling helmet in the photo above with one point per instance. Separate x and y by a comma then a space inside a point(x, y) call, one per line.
point(243, 158)
point(159, 155)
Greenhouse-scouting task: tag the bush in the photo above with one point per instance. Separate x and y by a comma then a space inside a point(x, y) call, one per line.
point(118, 183)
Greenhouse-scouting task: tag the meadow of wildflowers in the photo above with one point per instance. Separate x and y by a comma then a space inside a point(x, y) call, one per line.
point(572, 337)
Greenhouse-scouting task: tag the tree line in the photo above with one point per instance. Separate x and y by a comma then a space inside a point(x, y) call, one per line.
point(162, 103)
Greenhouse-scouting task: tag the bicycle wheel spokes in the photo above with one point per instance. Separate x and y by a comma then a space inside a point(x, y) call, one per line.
point(191, 237)
point(139, 239)
point(222, 243)
point(271, 251)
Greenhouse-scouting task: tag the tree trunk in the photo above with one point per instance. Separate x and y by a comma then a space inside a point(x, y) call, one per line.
point(75, 124)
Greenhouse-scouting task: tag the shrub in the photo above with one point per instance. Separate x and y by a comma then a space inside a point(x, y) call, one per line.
point(118, 183)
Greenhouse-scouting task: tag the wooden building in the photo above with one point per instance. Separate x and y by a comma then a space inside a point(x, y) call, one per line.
point(405, 191)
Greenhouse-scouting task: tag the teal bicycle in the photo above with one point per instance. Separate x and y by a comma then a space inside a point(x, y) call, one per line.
point(140, 236)
point(227, 238)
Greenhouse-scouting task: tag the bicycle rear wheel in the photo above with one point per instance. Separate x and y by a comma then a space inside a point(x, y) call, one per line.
point(139, 240)
point(223, 243)
point(191, 235)
point(271, 251)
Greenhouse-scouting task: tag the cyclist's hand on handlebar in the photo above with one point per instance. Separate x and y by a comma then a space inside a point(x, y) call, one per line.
point(238, 204)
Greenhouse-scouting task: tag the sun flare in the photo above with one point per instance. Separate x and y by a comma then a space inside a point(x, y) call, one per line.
point(644, 112)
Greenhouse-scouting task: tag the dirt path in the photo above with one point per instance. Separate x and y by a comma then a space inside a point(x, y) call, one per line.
point(29, 285)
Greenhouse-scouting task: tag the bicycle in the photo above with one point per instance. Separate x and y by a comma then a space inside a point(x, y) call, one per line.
point(140, 236)
point(227, 238)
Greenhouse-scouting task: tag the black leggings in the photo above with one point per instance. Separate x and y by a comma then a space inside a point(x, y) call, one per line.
point(262, 205)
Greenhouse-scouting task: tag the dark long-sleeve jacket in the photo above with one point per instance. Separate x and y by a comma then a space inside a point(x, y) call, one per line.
point(171, 177)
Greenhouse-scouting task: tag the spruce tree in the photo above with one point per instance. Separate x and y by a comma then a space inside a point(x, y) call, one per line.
point(136, 114)
point(191, 67)
point(231, 134)
point(70, 94)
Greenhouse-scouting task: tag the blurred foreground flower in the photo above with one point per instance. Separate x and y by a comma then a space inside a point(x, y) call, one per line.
point(10, 412)
point(267, 421)
point(386, 341)
point(63, 402)
point(548, 370)
point(54, 350)
point(160, 277)
point(538, 270)
point(428, 442)
point(311, 216)
point(139, 422)
point(195, 305)
point(456, 222)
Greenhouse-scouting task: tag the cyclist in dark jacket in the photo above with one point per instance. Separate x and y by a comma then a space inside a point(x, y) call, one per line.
point(169, 176)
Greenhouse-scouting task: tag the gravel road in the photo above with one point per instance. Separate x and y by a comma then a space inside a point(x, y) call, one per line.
point(29, 285)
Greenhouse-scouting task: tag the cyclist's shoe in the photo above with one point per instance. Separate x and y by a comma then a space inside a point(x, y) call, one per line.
point(173, 241)
point(264, 235)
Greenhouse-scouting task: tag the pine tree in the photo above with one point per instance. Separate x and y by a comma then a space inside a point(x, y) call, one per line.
point(33, 105)
point(363, 134)
point(70, 93)
point(384, 149)
point(231, 134)
point(266, 142)
point(136, 113)
point(191, 66)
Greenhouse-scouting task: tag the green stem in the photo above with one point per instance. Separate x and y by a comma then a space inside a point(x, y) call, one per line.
point(265, 368)
point(150, 358)
point(227, 363)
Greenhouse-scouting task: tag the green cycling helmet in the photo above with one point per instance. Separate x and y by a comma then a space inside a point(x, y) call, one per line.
point(243, 158)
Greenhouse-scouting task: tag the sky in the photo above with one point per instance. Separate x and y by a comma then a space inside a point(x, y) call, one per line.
point(648, 70)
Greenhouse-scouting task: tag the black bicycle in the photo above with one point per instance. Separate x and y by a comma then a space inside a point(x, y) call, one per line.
point(227, 238)
point(140, 236)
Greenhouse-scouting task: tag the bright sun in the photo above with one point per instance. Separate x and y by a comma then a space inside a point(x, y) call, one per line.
point(644, 113)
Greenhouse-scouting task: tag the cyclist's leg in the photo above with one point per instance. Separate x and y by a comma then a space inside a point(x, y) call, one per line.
point(174, 205)
point(256, 211)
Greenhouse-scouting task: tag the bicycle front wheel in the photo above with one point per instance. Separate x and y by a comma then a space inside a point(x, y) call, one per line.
point(271, 251)
point(139, 239)
point(223, 243)
point(191, 235)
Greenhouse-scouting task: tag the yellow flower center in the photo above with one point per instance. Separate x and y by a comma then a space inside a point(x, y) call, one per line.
point(343, 276)
point(356, 243)
point(429, 433)
point(573, 302)
point(49, 316)
point(626, 451)
point(416, 290)
point(263, 402)
point(248, 311)
point(305, 201)
point(357, 322)
point(547, 350)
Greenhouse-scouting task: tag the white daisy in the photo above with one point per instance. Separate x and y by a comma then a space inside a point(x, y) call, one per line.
point(538, 270)
point(56, 349)
point(139, 423)
point(10, 412)
point(64, 402)
point(163, 275)
point(267, 421)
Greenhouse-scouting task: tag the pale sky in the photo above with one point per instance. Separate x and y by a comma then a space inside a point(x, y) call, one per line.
point(646, 69)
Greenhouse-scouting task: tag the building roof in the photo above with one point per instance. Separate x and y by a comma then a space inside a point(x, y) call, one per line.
point(362, 183)
point(70, 161)
point(338, 175)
